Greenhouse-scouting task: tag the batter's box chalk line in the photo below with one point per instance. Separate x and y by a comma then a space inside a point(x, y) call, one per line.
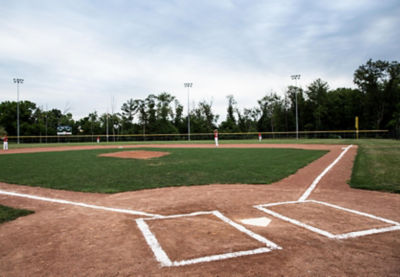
point(395, 225)
point(162, 257)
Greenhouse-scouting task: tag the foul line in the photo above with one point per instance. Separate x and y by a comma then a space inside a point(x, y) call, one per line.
point(316, 181)
point(61, 201)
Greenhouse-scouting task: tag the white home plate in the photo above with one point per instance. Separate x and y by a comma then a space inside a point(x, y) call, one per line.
point(258, 221)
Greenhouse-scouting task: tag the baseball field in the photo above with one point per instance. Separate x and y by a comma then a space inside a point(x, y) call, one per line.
point(325, 208)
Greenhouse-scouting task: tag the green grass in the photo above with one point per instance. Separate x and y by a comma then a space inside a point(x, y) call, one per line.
point(8, 214)
point(85, 171)
point(377, 166)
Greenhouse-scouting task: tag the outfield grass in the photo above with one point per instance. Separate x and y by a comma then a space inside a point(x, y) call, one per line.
point(8, 214)
point(377, 166)
point(85, 171)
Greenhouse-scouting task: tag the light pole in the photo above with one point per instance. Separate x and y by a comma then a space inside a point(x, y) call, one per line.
point(188, 86)
point(107, 126)
point(295, 78)
point(18, 81)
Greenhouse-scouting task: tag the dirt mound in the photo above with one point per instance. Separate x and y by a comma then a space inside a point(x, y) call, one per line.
point(140, 154)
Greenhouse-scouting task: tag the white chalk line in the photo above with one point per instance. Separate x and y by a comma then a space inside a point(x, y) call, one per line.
point(222, 256)
point(164, 260)
point(243, 229)
point(396, 225)
point(79, 204)
point(357, 212)
point(367, 232)
point(296, 222)
point(180, 215)
point(152, 241)
point(316, 181)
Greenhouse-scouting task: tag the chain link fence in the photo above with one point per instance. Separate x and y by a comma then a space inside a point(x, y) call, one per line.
point(339, 134)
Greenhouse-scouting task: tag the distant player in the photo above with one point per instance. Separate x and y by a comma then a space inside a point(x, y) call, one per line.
point(259, 137)
point(216, 137)
point(98, 140)
point(5, 143)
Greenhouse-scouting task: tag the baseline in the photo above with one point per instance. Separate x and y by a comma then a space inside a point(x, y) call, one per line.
point(66, 202)
point(307, 193)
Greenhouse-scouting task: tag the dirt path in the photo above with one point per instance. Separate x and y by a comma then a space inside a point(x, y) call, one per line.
point(70, 240)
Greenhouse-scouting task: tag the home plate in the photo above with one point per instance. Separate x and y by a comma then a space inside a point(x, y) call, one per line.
point(258, 221)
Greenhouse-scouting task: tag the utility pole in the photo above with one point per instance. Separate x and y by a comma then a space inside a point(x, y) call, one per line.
point(18, 81)
point(188, 86)
point(295, 78)
point(107, 125)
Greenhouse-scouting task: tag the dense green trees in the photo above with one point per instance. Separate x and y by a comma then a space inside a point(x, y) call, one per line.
point(376, 101)
point(379, 82)
point(33, 120)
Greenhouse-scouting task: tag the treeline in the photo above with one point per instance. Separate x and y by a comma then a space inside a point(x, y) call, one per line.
point(376, 101)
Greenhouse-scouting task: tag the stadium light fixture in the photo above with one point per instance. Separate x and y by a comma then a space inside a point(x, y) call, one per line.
point(295, 78)
point(188, 86)
point(18, 81)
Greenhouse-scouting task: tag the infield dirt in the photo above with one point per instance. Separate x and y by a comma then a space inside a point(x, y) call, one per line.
point(62, 240)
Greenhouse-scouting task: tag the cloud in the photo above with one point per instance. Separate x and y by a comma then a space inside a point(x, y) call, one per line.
point(85, 52)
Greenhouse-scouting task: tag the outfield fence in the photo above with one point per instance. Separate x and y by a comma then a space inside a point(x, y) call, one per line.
point(337, 134)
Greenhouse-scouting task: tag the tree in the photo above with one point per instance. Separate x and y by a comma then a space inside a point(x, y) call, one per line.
point(395, 122)
point(2, 131)
point(229, 125)
point(164, 114)
point(272, 112)
point(378, 81)
point(8, 117)
point(343, 105)
point(164, 110)
point(317, 93)
point(129, 110)
point(178, 119)
point(202, 118)
point(247, 121)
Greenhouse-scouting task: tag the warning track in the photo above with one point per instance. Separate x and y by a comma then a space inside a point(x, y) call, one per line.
point(69, 240)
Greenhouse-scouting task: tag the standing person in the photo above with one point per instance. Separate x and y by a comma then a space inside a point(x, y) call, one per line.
point(98, 139)
point(5, 143)
point(259, 137)
point(216, 137)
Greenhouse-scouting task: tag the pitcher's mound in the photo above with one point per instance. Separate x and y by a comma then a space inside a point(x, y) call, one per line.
point(140, 154)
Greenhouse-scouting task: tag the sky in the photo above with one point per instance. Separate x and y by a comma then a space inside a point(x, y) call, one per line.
point(83, 56)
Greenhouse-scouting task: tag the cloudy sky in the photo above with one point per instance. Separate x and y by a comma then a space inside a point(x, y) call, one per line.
point(82, 54)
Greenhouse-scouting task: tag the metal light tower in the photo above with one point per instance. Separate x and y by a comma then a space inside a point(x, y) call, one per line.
point(188, 86)
point(295, 78)
point(18, 81)
point(107, 126)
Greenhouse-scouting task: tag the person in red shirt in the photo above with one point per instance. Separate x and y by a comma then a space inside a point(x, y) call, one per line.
point(216, 137)
point(259, 137)
point(98, 140)
point(5, 143)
